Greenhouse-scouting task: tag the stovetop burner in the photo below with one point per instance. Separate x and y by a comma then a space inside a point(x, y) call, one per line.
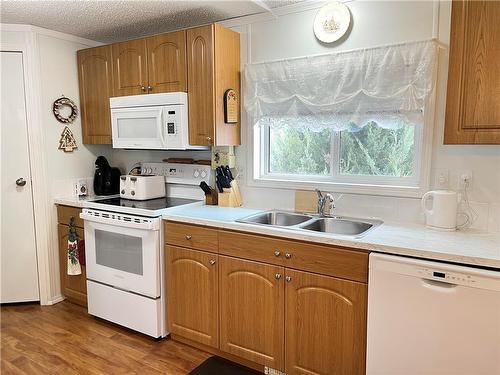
point(151, 204)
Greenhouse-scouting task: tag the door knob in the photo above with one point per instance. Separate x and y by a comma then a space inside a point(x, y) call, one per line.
point(277, 276)
point(212, 262)
point(143, 88)
point(150, 88)
point(20, 182)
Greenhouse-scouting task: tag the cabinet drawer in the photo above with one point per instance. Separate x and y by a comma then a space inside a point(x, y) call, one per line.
point(327, 260)
point(192, 236)
point(64, 213)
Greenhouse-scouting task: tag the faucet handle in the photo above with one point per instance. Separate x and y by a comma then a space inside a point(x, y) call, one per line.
point(320, 194)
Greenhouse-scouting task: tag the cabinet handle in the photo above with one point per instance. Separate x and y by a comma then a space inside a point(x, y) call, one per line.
point(278, 276)
point(288, 255)
point(209, 139)
point(212, 262)
point(188, 237)
point(143, 88)
point(277, 253)
point(288, 279)
point(150, 88)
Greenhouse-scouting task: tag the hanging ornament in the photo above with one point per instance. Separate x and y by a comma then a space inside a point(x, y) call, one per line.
point(61, 107)
point(67, 141)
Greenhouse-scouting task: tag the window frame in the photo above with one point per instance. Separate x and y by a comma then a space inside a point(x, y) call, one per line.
point(414, 187)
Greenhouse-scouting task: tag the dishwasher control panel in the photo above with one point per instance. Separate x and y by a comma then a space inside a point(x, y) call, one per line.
point(446, 276)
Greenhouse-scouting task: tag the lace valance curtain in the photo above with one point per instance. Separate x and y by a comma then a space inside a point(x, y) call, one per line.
point(343, 91)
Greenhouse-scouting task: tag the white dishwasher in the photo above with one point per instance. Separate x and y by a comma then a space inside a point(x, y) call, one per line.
point(431, 318)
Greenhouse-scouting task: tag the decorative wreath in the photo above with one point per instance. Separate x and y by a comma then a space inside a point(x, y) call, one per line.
point(61, 103)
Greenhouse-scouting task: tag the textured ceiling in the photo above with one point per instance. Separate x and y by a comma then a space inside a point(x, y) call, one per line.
point(110, 20)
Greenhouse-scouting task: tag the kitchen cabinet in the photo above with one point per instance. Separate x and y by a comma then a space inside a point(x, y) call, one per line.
point(473, 95)
point(290, 305)
point(95, 76)
point(196, 317)
point(325, 324)
point(167, 62)
point(252, 311)
point(213, 65)
point(150, 65)
point(73, 287)
point(130, 75)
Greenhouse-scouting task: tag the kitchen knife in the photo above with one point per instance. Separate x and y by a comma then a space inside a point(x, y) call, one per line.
point(204, 186)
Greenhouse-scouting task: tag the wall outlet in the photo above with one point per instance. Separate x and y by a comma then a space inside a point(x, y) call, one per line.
point(442, 178)
point(223, 155)
point(80, 187)
point(465, 178)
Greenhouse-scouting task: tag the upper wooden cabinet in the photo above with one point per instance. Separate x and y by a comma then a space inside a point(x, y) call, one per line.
point(213, 60)
point(130, 68)
point(95, 78)
point(167, 62)
point(151, 65)
point(473, 97)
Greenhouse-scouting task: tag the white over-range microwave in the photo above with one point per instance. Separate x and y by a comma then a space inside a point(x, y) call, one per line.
point(152, 122)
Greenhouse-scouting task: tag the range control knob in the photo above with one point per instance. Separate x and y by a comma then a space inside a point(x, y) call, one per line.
point(132, 192)
point(123, 191)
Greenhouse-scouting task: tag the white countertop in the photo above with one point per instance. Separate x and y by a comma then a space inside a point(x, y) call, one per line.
point(465, 247)
point(80, 202)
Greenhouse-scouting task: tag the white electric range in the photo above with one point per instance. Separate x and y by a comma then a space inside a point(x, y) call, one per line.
point(124, 243)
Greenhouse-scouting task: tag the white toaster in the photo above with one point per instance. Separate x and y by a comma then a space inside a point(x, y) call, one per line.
point(142, 187)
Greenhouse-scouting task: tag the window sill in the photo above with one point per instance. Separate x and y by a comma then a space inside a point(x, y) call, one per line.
point(365, 189)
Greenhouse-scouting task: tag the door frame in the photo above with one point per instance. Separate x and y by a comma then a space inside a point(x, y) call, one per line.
point(43, 207)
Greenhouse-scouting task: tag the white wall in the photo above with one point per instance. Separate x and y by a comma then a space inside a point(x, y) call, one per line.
point(51, 60)
point(376, 23)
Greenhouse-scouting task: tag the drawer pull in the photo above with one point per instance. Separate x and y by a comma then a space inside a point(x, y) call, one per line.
point(288, 279)
point(212, 262)
point(288, 255)
point(188, 237)
point(277, 253)
point(278, 276)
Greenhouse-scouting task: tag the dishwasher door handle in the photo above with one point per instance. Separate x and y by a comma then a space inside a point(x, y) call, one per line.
point(438, 285)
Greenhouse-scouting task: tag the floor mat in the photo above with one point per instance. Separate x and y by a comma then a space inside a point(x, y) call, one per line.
point(221, 366)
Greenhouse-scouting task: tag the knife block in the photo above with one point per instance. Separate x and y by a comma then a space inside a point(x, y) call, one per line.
point(228, 199)
point(211, 199)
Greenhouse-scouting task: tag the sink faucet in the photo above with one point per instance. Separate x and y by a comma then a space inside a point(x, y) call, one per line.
point(322, 200)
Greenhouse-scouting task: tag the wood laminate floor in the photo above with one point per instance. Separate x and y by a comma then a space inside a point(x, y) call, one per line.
point(64, 339)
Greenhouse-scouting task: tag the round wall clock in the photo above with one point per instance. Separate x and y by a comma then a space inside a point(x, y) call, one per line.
point(65, 110)
point(332, 22)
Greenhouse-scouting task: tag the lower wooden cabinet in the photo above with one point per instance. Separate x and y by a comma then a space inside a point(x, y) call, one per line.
point(325, 325)
point(73, 287)
point(192, 295)
point(252, 311)
point(241, 306)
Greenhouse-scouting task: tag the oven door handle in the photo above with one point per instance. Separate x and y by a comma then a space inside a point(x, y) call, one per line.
point(126, 221)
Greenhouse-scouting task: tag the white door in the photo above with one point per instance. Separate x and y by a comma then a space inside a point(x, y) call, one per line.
point(19, 271)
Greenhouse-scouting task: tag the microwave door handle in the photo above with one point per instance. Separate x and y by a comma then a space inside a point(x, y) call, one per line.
point(163, 125)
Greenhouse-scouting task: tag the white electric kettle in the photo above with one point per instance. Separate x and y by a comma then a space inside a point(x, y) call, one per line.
point(443, 213)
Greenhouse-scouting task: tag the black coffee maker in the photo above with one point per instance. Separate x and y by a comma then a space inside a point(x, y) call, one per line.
point(106, 178)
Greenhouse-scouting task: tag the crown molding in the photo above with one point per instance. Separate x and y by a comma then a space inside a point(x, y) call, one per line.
point(12, 27)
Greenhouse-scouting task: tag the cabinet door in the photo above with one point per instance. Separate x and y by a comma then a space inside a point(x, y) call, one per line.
point(192, 295)
point(73, 287)
point(325, 325)
point(200, 43)
point(95, 79)
point(167, 62)
point(473, 97)
point(251, 311)
point(130, 68)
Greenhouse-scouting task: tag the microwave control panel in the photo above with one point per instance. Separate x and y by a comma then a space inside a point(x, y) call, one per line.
point(175, 133)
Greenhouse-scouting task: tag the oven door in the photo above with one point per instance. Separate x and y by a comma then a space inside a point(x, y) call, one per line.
point(139, 128)
point(123, 251)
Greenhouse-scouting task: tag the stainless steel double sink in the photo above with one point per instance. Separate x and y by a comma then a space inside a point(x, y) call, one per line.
point(338, 225)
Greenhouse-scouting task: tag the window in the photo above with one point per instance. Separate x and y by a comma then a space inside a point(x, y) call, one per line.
point(357, 120)
point(372, 155)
